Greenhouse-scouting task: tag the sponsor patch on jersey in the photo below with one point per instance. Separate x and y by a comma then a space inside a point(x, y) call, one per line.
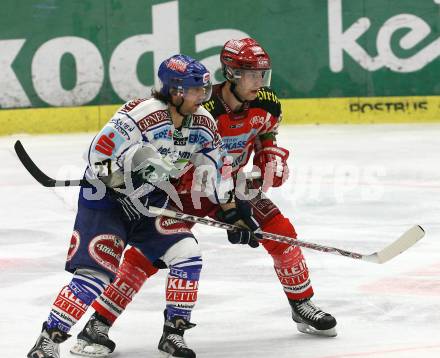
point(107, 250)
point(180, 141)
point(205, 122)
point(235, 142)
point(74, 245)
point(162, 134)
point(123, 128)
point(170, 226)
point(197, 138)
point(238, 160)
point(105, 144)
point(237, 125)
point(209, 106)
point(257, 121)
point(108, 142)
point(153, 119)
point(130, 105)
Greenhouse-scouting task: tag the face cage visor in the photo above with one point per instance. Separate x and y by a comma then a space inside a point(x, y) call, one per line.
point(194, 94)
point(252, 78)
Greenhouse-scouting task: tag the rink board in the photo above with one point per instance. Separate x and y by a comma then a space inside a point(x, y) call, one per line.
point(295, 111)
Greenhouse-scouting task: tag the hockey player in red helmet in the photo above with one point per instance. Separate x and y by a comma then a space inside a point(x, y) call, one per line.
point(247, 67)
point(248, 113)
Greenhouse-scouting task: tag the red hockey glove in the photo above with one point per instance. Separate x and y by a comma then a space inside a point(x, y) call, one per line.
point(272, 162)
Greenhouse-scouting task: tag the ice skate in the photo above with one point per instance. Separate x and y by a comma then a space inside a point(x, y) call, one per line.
point(311, 319)
point(93, 340)
point(171, 343)
point(47, 345)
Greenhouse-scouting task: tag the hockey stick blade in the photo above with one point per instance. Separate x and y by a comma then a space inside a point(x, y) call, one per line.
point(38, 175)
point(403, 243)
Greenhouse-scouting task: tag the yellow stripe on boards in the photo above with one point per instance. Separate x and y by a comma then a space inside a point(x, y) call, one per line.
point(363, 110)
point(353, 110)
point(55, 119)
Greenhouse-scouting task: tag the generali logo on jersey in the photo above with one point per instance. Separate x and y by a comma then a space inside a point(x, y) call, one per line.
point(107, 250)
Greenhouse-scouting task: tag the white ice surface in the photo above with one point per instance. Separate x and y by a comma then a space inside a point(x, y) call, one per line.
point(354, 187)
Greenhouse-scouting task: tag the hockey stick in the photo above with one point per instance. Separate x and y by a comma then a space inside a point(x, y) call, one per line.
point(38, 175)
point(405, 241)
point(49, 182)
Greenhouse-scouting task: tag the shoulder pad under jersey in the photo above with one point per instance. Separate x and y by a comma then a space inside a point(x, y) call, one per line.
point(139, 108)
point(214, 105)
point(203, 118)
point(267, 100)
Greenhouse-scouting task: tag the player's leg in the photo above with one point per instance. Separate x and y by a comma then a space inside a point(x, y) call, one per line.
point(292, 272)
point(134, 270)
point(170, 244)
point(93, 259)
point(185, 263)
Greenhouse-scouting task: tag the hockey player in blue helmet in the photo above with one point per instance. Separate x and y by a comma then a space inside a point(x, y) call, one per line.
point(185, 84)
point(145, 144)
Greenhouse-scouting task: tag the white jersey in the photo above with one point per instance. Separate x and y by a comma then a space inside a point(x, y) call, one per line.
point(141, 123)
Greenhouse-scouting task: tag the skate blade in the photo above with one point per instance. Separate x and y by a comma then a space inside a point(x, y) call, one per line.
point(164, 354)
point(85, 349)
point(307, 329)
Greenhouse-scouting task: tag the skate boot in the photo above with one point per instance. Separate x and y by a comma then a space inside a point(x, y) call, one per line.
point(93, 340)
point(171, 343)
point(48, 343)
point(311, 319)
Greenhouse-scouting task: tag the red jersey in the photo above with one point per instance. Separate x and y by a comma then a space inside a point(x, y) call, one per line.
point(242, 132)
point(254, 126)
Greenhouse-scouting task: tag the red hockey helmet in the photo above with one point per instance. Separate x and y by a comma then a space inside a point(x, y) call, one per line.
point(242, 55)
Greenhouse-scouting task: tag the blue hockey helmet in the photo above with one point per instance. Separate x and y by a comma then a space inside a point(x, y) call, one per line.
point(179, 73)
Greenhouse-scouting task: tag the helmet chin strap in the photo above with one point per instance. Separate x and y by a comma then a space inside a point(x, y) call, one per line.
point(178, 107)
point(233, 88)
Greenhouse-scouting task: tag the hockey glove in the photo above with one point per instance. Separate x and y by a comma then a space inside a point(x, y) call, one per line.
point(241, 216)
point(272, 162)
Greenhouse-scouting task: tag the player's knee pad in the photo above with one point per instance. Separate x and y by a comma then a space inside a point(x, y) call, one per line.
point(282, 226)
point(181, 251)
point(130, 275)
point(87, 284)
point(290, 256)
point(184, 260)
point(134, 257)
